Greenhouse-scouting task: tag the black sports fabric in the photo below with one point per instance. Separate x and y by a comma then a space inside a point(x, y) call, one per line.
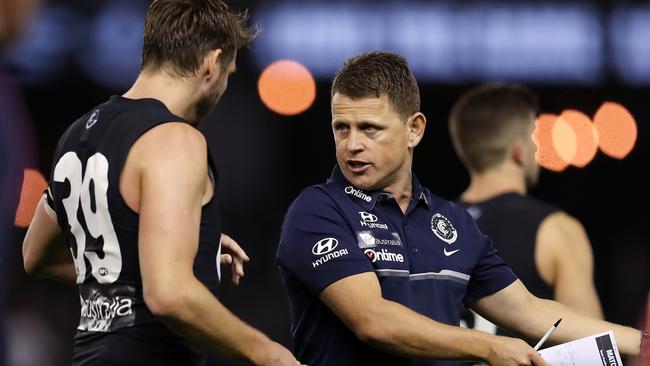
point(115, 327)
point(511, 221)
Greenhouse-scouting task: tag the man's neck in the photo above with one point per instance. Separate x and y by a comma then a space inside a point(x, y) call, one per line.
point(492, 183)
point(177, 94)
point(402, 188)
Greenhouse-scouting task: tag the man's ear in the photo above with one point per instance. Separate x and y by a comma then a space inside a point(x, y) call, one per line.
point(518, 151)
point(416, 125)
point(210, 68)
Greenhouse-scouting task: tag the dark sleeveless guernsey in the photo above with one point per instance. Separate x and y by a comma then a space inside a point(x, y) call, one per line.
point(511, 221)
point(116, 327)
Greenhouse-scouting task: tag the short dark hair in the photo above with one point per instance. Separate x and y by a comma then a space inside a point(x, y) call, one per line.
point(178, 34)
point(373, 74)
point(486, 120)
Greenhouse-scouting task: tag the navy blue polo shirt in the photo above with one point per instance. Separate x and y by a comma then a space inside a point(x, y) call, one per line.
point(431, 259)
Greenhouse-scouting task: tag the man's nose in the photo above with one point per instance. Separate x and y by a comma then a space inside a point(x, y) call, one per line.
point(355, 142)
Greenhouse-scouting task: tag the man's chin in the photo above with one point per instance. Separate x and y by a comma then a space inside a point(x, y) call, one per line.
point(361, 181)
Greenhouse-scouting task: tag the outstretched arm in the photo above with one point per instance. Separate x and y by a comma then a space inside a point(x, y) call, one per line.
point(390, 326)
point(517, 309)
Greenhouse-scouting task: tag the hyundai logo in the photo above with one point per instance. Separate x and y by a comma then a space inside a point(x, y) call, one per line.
point(324, 246)
point(368, 217)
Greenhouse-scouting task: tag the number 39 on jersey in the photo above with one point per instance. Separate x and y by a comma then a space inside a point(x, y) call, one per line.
point(88, 193)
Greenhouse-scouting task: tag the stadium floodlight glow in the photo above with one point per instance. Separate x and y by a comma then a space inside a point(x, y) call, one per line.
point(630, 31)
point(543, 136)
point(287, 87)
point(443, 41)
point(617, 130)
point(584, 134)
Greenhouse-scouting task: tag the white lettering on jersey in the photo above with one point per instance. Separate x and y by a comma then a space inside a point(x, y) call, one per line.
point(98, 223)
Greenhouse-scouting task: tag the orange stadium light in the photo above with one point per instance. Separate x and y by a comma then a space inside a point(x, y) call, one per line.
point(583, 134)
point(287, 87)
point(33, 186)
point(546, 154)
point(617, 130)
point(564, 139)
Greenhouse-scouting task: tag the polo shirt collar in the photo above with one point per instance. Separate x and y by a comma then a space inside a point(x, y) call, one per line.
point(368, 199)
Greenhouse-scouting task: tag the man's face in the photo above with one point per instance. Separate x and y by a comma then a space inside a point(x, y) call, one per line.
point(371, 141)
point(216, 88)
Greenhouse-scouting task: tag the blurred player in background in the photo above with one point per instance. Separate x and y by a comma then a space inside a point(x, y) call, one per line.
point(491, 128)
point(133, 189)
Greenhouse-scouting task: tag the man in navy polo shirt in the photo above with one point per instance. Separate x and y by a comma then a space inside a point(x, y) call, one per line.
point(377, 267)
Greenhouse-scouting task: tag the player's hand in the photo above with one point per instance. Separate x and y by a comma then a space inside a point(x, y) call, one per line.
point(277, 355)
point(513, 352)
point(234, 256)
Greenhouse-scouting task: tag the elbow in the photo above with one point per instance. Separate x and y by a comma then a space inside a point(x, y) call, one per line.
point(372, 332)
point(162, 302)
point(30, 261)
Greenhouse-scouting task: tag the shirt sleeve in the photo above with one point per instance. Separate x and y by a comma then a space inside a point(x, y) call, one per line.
point(491, 274)
point(317, 246)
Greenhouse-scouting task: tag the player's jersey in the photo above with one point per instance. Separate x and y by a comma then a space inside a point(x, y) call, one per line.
point(431, 259)
point(511, 221)
point(100, 229)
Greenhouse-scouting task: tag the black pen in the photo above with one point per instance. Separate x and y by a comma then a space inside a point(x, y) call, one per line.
point(548, 334)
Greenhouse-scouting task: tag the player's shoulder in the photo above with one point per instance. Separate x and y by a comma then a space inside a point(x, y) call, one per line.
point(173, 138)
point(169, 149)
point(562, 223)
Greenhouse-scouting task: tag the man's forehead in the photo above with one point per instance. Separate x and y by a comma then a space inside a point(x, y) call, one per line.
point(342, 103)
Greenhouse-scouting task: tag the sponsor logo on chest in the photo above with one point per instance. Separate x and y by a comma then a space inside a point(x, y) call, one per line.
point(366, 239)
point(370, 221)
point(445, 231)
point(357, 193)
point(383, 255)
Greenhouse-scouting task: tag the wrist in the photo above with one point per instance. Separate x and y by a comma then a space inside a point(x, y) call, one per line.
point(490, 345)
point(258, 353)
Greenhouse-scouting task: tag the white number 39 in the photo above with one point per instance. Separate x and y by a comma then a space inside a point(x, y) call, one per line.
point(98, 223)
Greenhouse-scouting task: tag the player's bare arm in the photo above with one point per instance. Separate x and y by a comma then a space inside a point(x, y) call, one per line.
point(43, 254)
point(517, 309)
point(173, 186)
point(565, 261)
point(390, 326)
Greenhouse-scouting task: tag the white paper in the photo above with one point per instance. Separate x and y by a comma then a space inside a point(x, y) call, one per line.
point(596, 350)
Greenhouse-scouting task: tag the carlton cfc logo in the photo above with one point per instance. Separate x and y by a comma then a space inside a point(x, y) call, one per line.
point(443, 229)
point(92, 119)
